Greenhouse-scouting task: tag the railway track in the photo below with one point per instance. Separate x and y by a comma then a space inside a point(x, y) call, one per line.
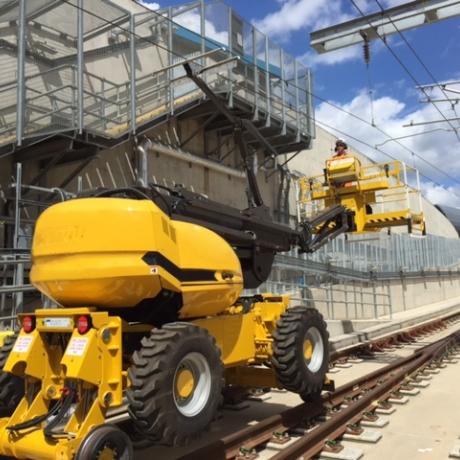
point(368, 348)
point(316, 426)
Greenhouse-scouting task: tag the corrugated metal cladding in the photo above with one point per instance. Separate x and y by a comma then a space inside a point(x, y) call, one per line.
point(453, 214)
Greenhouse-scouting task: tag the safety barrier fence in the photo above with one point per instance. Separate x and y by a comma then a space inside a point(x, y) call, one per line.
point(75, 65)
point(342, 292)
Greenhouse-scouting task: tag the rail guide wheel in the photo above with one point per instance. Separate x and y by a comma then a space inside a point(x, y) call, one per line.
point(176, 384)
point(11, 386)
point(301, 351)
point(105, 442)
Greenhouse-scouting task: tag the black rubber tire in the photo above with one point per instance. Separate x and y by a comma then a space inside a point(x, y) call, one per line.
point(151, 401)
point(11, 386)
point(105, 436)
point(288, 359)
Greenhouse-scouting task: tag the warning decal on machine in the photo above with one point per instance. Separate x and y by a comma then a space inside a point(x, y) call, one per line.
point(57, 322)
point(76, 346)
point(22, 344)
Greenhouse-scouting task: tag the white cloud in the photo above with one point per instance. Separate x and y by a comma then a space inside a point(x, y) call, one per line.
point(295, 15)
point(448, 196)
point(149, 5)
point(191, 20)
point(435, 145)
point(307, 15)
point(312, 59)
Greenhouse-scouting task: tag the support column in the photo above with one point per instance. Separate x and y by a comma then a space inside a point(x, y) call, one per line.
point(283, 92)
point(230, 49)
point(19, 268)
point(80, 63)
point(297, 108)
point(20, 101)
point(267, 82)
point(132, 55)
point(256, 76)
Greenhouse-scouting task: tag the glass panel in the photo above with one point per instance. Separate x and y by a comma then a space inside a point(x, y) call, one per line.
point(274, 59)
point(259, 40)
point(248, 43)
point(50, 69)
point(189, 18)
point(106, 91)
point(290, 89)
point(216, 24)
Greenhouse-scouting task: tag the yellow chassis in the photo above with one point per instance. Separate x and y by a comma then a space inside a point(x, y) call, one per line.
point(94, 363)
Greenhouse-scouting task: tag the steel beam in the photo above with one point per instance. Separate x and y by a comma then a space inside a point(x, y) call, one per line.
point(21, 72)
point(404, 17)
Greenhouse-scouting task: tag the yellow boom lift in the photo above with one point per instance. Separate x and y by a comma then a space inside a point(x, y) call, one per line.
point(377, 194)
point(153, 323)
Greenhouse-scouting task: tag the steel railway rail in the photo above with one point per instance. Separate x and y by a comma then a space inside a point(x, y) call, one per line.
point(401, 337)
point(340, 410)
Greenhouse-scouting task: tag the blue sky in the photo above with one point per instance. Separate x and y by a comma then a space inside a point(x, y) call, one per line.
point(341, 77)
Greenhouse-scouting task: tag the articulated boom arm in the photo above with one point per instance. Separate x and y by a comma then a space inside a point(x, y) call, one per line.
point(252, 232)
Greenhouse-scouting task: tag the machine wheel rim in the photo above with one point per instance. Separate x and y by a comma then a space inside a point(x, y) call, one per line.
point(195, 399)
point(313, 342)
point(107, 453)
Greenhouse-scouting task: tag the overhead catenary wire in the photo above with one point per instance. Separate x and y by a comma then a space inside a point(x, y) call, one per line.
point(357, 117)
point(389, 136)
point(361, 141)
point(417, 56)
point(404, 66)
point(152, 42)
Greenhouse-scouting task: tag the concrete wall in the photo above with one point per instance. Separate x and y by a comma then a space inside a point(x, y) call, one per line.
point(351, 301)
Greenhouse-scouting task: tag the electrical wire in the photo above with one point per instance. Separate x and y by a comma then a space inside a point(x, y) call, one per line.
point(417, 56)
point(350, 136)
point(406, 69)
point(357, 117)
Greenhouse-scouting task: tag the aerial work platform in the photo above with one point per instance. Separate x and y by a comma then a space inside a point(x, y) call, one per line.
point(378, 194)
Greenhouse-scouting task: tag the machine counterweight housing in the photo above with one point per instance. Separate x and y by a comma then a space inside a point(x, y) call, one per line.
point(115, 252)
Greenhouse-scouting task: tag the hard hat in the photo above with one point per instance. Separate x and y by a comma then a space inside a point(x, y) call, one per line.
point(340, 142)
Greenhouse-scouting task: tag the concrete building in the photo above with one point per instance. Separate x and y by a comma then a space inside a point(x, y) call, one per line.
point(453, 214)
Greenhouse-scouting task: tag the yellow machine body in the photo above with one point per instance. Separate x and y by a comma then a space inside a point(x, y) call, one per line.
point(95, 362)
point(101, 257)
point(115, 252)
point(4, 335)
point(377, 194)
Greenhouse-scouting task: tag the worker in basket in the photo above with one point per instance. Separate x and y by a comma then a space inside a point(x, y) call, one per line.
point(340, 149)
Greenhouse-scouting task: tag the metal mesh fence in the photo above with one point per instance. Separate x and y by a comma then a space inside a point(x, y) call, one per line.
point(382, 253)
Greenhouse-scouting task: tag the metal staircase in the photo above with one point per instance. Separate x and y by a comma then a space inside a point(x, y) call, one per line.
point(103, 78)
